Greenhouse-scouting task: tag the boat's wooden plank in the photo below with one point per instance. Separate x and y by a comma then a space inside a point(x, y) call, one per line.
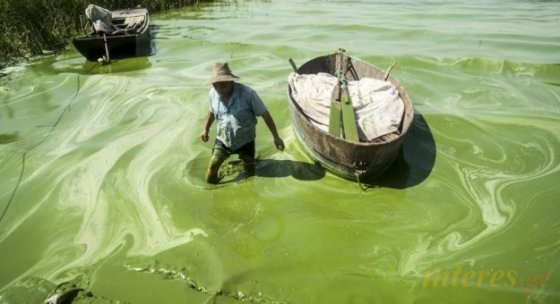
point(349, 118)
point(335, 119)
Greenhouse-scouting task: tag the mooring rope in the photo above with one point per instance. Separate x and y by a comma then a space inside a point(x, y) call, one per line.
point(26, 152)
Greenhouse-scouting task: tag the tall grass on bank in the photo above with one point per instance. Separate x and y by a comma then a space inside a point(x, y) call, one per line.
point(33, 27)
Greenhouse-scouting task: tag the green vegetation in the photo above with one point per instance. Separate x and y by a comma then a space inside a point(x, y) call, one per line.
point(34, 27)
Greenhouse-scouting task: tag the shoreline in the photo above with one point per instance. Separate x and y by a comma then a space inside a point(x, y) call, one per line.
point(33, 29)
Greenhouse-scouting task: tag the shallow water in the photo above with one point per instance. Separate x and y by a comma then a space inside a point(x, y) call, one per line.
point(102, 166)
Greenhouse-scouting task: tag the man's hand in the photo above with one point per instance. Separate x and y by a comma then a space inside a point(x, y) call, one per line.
point(279, 143)
point(209, 120)
point(204, 135)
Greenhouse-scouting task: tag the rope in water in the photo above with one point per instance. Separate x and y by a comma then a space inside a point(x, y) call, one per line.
point(24, 156)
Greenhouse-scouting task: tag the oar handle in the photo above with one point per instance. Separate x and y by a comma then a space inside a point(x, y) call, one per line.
point(293, 64)
point(389, 71)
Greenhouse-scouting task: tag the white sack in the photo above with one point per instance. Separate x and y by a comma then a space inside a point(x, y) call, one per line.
point(377, 105)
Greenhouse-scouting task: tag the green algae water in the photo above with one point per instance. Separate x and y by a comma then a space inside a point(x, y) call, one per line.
point(101, 166)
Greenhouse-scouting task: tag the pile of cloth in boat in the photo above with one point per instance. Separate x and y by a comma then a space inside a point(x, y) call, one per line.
point(377, 105)
point(102, 21)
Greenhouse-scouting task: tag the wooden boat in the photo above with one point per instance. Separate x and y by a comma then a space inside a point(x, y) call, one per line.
point(130, 37)
point(351, 159)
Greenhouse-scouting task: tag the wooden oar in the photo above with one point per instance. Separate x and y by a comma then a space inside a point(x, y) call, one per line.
point(293, 64)
point(348, 116)
point(389, 71)
point(107, 58)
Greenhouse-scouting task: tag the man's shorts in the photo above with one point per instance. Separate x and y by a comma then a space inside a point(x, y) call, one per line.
point(220, 149)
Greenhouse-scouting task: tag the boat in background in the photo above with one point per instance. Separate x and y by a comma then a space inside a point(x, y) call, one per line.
point(116, 34)
point(354, 159)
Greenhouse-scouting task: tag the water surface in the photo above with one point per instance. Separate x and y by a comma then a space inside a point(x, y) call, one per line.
point(102, 166)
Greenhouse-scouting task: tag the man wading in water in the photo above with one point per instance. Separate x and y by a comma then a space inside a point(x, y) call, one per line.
point(235, 108)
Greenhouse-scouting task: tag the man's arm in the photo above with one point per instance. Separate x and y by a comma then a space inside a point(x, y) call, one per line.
point(278, 142)
point(207, 125)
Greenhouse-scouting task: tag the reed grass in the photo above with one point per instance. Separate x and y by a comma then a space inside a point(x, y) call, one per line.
point(34, 27)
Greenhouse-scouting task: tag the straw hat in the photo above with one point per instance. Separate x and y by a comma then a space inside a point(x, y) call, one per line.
point(221, 72)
